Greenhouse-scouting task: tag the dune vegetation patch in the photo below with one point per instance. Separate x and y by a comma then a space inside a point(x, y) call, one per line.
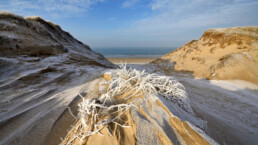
point(109, 113)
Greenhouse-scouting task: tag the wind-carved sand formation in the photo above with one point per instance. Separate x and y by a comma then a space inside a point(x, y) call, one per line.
point(224, 53)
point(56, 90)
point(42, 70)
point(126, 107)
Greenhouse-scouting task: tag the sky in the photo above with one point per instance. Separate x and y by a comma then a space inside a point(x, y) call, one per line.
point(138, 23)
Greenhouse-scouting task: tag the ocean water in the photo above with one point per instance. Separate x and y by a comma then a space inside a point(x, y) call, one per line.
point(133, 52)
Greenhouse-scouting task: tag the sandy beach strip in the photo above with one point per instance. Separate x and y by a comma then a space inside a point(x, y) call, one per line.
point(131, 60)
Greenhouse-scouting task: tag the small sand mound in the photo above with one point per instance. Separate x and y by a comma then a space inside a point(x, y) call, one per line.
point(123, 99)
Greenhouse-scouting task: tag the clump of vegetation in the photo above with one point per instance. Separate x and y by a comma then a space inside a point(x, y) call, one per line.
point(6, 14)
point(124, 87)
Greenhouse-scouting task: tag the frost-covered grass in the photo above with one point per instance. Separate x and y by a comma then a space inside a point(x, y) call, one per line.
point(132, 80)
point(125, 86)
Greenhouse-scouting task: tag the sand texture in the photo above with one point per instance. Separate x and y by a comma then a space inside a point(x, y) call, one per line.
point(225, 53)
point(149, 122)
point(42, 70)
point(228, 107)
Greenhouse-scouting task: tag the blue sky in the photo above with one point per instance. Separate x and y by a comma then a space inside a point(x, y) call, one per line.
point(138, 23)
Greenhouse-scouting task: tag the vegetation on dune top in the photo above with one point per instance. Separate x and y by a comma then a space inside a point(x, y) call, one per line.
point(123, 89)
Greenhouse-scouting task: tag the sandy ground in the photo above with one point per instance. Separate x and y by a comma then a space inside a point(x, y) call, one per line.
point(131, 60)
point(153, 120)
point(229, 106)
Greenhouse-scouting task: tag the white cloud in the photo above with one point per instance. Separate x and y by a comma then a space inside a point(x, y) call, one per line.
point(175, 22)
point(129, 3)
point(172, 15)
point(53, 7)
point(160, 4)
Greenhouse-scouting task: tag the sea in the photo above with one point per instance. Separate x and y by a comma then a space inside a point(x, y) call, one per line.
point(134, 52)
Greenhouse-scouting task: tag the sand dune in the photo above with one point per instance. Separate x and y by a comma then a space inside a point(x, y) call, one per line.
point(148, 121)
point(42, 70)
point(225, 53)
point(51, 84)
point(227, 57)
point(56, 90)
point(228, 107)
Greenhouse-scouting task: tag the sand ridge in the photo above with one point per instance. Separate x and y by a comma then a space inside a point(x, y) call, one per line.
point(149, 108)
point(228, 53)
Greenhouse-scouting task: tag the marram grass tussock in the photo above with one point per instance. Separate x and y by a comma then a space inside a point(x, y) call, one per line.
point(95, 114)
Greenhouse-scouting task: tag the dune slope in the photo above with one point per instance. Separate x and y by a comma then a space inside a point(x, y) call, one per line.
point(127, 106)
point(224, 53)
point(42, 70)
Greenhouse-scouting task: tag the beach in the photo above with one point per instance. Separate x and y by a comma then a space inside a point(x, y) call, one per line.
point(131, 60)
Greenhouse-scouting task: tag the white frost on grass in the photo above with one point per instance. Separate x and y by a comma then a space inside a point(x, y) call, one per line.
point(150, 84)
point(129, 83)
